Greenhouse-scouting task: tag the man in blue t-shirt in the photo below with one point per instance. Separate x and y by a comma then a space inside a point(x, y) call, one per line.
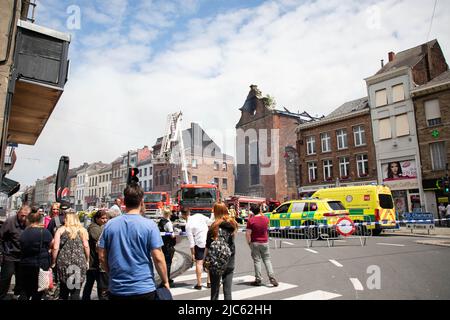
point(126, 248)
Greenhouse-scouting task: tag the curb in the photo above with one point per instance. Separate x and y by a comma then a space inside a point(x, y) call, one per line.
point(440, 243)
point(418, 235)
point(180, 263)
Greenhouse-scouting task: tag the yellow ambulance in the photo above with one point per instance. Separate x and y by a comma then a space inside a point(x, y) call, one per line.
point(373, 201)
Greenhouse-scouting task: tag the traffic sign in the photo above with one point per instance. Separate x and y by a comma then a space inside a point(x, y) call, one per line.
point(345, 226)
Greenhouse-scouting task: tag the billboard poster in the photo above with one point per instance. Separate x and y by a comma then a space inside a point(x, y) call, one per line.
point(399, 170)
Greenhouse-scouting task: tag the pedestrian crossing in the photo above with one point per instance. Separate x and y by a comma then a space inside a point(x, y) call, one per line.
point(183, 289)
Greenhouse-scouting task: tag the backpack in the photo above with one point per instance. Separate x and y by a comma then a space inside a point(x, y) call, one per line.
point(168, 240)
point(219, 253)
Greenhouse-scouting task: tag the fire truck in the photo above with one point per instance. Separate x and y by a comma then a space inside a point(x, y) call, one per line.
point(198, 198)
point(155, 202)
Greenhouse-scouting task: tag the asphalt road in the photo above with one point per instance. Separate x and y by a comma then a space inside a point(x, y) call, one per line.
point(406, 269)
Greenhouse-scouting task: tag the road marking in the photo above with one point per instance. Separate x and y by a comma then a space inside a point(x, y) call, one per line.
point(315, 295)
point(340, 240)
point(189, 277)
point(391, 244)
point(310, 250)
point(289, 243)
point(357, 284)
point(189, 287)
point(256, 291)
point(337, 264)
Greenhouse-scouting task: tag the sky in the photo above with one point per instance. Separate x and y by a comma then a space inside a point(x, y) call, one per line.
point(132, 62)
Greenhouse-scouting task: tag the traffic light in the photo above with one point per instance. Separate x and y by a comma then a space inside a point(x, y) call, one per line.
point(133, 175)
point(446, 186)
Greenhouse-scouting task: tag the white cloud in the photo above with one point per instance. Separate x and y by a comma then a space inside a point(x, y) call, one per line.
point(310, 56)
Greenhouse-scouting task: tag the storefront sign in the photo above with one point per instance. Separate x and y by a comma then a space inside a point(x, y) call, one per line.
point(402, 184)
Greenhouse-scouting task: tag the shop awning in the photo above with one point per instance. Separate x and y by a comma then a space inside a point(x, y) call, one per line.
point(9, 186)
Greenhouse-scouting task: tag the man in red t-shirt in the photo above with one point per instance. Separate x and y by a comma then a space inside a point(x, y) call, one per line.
point(258, 239)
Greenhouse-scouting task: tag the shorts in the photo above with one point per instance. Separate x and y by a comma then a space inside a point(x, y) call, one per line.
point(199, 253)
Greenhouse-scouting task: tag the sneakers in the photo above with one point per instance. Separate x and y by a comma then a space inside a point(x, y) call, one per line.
point(197, 287)
point(274, 282)
point(256, 283)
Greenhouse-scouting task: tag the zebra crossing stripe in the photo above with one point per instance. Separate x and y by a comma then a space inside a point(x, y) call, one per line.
point(255, 292)
point(357, 284)
point(189, 277)
point(315, 295)
point(189, 288)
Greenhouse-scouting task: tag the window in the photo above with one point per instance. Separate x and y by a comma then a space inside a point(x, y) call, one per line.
point(151, 170)
point(194, 179)
point(325, 139)
point(402, 125)
point(362, 163)
point(380, 98)
point(385, 129)
point(284, 208)
point(312, 171)
point(145, 185)
point(342, 142)
point(298, 207)
point(336, 205)
point(194, 163)
point(398, 93)
point(161, 178)
point(254, 163)
point(438, 155)
point(224, 166)
point(386, 201)
point(216, 165)
point(327, 169)
point(216, 181)
point(311, 206)
point(359, 135)
point(140, 173)
point(311, 145)
point(145, 172)
point(344, 167)
point(167, 177)
point(432, 112)
point(224, 184)
point(150, 185)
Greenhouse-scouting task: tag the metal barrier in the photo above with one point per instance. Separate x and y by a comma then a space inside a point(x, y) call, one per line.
point(359, 228)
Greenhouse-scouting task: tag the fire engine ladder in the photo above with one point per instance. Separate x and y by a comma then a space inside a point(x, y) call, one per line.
point(173, 134)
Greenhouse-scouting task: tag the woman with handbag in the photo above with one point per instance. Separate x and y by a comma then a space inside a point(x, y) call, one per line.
point(35, 243)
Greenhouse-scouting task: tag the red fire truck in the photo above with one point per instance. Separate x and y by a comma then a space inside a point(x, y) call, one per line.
point(155, 202)
point(198, 198)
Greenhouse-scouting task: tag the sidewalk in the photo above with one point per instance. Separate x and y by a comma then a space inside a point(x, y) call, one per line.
point(437, 232)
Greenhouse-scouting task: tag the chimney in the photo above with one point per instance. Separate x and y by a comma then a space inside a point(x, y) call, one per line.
point(382, 63)
point(391, 56)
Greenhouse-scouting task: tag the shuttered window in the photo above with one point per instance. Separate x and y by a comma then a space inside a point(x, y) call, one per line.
point(380, 98)
point(402, 125)
point(385, 129)
point(398, 93)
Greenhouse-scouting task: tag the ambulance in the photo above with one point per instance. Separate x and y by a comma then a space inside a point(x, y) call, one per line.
point(372, 201)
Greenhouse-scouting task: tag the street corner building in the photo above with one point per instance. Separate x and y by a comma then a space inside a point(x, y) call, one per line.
point(407, 99)
point(33, 73)
point(267, 163)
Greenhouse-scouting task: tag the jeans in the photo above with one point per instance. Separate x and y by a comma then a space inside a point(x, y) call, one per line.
point(227, 281)
point(64, 292)
point(260, 251)
point(9, 268)
point(102, 280)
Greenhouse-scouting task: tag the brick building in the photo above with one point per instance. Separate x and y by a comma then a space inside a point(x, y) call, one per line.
point(432, 111)
point(266, 155)
point(204, 160)
point(394, 122)
point(338, 149)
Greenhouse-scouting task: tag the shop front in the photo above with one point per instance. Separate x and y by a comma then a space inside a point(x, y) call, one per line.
point(401, 178)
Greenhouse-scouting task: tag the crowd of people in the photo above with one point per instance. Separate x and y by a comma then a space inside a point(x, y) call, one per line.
point(119, 251)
